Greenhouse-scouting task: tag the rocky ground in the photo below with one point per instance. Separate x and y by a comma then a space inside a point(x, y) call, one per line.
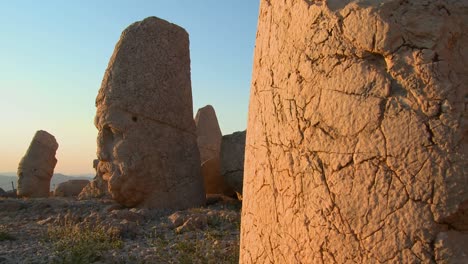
point(65, 230)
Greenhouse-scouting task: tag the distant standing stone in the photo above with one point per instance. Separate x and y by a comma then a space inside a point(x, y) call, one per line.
point(37, 166)
point(208, 133)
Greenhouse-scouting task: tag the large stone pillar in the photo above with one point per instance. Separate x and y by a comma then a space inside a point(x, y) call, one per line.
point(208, 133)
point(36, 168)
point(147, 143)
point(356, 148)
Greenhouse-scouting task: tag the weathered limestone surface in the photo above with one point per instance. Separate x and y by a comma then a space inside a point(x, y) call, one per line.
point(357, 133)
point(70, 188)
point(37, 166)
point(147, 139)
point(208, 133)
point(232, 160)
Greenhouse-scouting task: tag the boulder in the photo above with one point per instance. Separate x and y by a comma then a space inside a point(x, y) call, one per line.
point(176, 219)
point(147, 142)
point(356, 149)
point(232, 160)
point(194, 222)
point(208, 133)
point(37, 166)
point(70, 188)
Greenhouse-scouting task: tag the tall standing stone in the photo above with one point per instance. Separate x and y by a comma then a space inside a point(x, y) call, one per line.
point(209, 144)
point(147, 146)
point(356, 146)
point(208, 133)
point(36, 168)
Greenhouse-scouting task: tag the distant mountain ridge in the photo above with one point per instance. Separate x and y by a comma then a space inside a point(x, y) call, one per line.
point(7, 177)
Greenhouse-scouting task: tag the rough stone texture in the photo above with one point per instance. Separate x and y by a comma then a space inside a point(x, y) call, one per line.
point(213, 181)
point(147, 139)
point(37, 166)
point(98, 187)
point(451, 247)
point(232, 160)
point(208, 133)
point(356, 146)
point(70, 188)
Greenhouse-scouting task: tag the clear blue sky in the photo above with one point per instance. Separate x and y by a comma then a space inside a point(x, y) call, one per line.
point(53, 55)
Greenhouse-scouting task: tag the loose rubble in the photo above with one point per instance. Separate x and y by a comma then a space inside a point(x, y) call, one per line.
point(36, 231)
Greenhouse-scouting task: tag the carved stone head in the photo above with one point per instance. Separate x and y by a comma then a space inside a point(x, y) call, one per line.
point(147, 146)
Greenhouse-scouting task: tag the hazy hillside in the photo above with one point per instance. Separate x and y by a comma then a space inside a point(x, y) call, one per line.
point(7, 177)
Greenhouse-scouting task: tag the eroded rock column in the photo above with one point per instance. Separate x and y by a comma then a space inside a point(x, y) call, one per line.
point(356, 148)
point(36, 168)
point(147, 146)
point(208, 133)
point(209, 143)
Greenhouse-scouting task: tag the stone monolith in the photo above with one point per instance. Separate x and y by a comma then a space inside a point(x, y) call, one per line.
point(36, 168)
point(209, 144)
point(208, 133)
point(356, 149)
point(147, 143)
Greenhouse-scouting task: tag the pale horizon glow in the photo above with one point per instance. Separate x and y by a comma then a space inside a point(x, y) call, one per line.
point(54, 54)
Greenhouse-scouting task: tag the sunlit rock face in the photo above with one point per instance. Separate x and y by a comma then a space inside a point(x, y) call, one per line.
point(36, 168)
point(147, 145)
point(356, 149)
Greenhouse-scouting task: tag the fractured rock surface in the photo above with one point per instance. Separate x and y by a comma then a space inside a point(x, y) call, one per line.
point(208, 133)
point(357, 147)
point(37, 166)
point(232, 160)
point(147, 146)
